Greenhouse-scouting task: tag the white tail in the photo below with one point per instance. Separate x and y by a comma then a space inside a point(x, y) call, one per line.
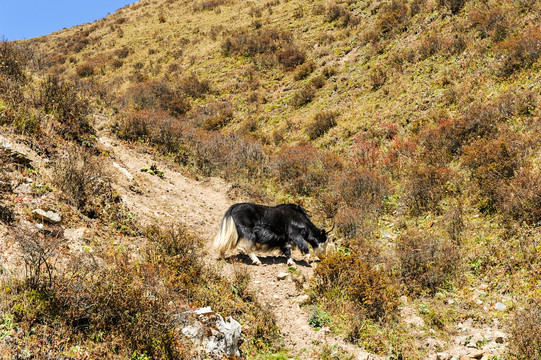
point(227, 236)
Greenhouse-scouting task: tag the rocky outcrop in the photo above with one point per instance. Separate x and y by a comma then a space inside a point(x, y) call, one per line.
point(212, 333)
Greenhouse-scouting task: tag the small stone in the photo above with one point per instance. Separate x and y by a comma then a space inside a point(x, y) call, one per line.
point(500, 306)
point(303, 299)
point(476, 354)
point(282, 276)
point(48, 216)
point(443, 356)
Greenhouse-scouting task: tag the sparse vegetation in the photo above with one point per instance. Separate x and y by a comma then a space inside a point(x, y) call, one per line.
point(412, 126)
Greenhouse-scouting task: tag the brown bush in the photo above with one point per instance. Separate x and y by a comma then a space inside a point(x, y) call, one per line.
point(426, 261)
point(425, 187)
point(291, 57)
point(392, 18)
point(213, 115)
point(520, 51)
point(71, 110)
point(335, 12)
point(453, 5)
point(525, 332)
point(83, 182)
point(158, 94)
point(194, 87)
point(317, 82)
point(304, 71)
point(12, 61)
point(323, 121)
point(303, 96)
point(303, 170)
point(362, 188)
point(490, 23)
point(348, 276)
point(520, 198)
point(250, 43)
point(85, 70)
point(492, 163)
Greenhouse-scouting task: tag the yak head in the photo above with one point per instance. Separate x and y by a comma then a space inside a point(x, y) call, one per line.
point(322, 240)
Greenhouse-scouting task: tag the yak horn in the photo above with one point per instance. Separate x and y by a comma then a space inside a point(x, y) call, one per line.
point(328, 232)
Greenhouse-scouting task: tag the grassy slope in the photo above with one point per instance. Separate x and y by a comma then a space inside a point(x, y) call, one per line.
point(391, 88)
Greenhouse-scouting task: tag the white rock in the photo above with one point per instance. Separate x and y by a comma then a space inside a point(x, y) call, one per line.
point(443, 356)
point(500, 306)
point(303, 299)
point(48, 216)
point(282, 276)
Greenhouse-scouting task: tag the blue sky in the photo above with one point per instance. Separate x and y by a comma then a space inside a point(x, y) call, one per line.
point(25, 19)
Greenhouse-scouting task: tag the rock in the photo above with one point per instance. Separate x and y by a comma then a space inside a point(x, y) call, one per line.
point(500, 306)
point(499, 337)
point(476, 354)
point(303, 299)
point(476, 340)
point(443, 356)
point(23, 189)
point(214, 334)
point(282, 276)
point(123, 170)
point(48, 216)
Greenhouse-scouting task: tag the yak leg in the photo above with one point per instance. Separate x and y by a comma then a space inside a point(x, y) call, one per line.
point(247, 247)
point(286, 249)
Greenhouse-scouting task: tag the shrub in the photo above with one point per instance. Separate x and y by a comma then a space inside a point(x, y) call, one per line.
point(83, 182)
point(303, 96)
point(492, 163)
point(304, 170)
point(158, 94)
point(194, 87)
point(291, 57)
point(304, 71)
point(335, 12)
point(378, 77)
point(250, 43)
point(490, 22)
point(362, 188)
point(323, 121)
point(85, 70)
point(39, 250)
point(520, 51)
point(348, 276)
point(12, 60)
point(426, 261)
point(525, 332)
point(7, 215)
point(69, 108)
point(213, 115)
point(453, 5)
point(425, 187)
point(520, 198)
point(392, 18)
point(317, 82)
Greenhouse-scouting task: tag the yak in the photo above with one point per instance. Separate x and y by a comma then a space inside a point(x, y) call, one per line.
point(251, 226)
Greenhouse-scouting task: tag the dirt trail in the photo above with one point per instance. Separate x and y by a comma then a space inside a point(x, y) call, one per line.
point(201, 205)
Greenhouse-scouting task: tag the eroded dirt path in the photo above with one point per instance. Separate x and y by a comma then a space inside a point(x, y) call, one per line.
point(201, 205)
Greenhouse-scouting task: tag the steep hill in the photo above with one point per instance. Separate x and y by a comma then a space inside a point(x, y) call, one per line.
point(412, 126)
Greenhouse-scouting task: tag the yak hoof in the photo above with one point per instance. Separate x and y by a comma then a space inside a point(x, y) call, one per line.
point(290, 262)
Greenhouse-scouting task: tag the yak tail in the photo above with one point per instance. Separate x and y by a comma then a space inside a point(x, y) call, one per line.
point(227, 236)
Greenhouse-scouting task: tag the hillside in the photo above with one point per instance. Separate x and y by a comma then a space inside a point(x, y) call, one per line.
point(412, 126)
